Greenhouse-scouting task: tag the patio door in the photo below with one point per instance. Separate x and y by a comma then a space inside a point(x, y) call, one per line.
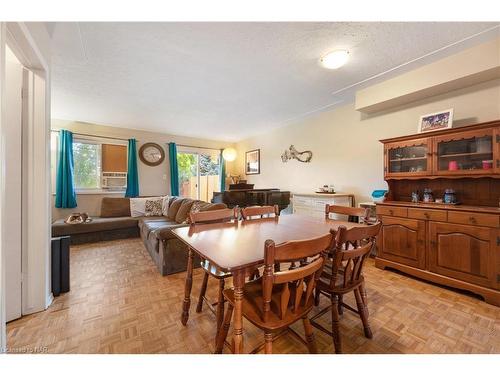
point(199, 173)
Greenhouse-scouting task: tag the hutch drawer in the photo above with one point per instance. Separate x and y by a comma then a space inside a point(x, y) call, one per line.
point(474, 218)
point(427, 214)
point(392, 211)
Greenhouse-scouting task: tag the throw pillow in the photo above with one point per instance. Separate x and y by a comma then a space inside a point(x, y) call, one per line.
point(165, 204)
point(138, 206)
point(154, 207)
point(183, 211)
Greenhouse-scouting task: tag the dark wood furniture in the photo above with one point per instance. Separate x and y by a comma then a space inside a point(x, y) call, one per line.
point(239, 248)
point(454, 245)
point(203, 218)
point(253, 197)
point(344, 274)
point(281, 298)
point(248, 213)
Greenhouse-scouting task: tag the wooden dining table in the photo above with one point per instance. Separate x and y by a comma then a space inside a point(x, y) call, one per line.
point(239, 247)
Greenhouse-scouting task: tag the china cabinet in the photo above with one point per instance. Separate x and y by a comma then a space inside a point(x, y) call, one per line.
point(457, 245)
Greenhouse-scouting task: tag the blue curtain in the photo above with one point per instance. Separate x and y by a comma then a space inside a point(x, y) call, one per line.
point(132, 172)
point(174, 169)
point(222, 173)
point(65, 190)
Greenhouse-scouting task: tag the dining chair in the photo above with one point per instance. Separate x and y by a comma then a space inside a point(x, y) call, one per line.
point(344, 274)
point(259, 212)
point(279, 299)
point(353, 213)
point(211, 217)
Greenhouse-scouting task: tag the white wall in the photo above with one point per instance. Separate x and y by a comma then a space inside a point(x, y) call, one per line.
point(152, 180)
point(345, 146)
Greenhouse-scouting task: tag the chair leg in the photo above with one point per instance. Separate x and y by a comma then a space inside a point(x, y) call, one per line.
point(203, 290)
point(311, 342)
point(341, 308)
point(268, 348)
point(363, 314)
point(335, 323)
point(220, 304)
point(222, 333)
point(364, 296)
point(316, 297)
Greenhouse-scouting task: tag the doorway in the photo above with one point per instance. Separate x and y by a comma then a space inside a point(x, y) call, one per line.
point(199, 173)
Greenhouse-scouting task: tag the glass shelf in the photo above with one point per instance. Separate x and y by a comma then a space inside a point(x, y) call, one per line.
point(469, 154)
point(408, 159)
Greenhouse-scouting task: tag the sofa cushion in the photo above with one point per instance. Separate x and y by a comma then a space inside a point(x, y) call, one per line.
point(98, 224)
point(174, 206)
point(115, 207)
point(183, 211)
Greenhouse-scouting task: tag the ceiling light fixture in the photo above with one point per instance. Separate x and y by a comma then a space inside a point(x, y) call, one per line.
point(335, 59)
point(229, 154)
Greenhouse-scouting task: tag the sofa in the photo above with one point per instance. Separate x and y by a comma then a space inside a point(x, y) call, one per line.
point(115, 222)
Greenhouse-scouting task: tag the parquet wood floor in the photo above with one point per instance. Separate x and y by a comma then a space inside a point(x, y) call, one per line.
point(119, 303)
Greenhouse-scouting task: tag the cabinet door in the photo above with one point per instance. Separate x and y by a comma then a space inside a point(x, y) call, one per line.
point(496, 151)
point(403, 241)
point(464, 153)
point(407, 159)
point(462, 252)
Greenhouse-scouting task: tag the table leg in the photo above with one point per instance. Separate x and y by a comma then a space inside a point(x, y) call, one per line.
point(187, 288)
point(239, 283)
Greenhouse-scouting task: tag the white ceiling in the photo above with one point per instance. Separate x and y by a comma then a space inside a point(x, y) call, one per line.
point(229, 81)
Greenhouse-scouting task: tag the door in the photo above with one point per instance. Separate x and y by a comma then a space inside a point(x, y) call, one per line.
point(199, 173)
point(403, 241)
point(463, 252)
point(13, 170)
point(407, 159)
point(465, 153)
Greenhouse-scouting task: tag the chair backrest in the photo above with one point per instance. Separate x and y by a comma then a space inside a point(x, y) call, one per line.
point(351, 212)
point(214, 216)
point(352, 246)
point(297, 281)
point(248, 213)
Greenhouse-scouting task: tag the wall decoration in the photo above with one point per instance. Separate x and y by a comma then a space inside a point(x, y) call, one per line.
point(436, 121)
point(252, 162)
point(292, 153)
point(151, 154)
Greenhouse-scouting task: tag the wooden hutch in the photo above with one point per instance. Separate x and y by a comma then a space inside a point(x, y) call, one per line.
point(457, 245)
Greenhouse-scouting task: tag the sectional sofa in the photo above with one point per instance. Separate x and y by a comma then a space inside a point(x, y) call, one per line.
point(115, 222)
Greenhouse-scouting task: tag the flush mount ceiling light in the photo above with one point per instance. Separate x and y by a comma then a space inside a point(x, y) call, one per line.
point(229, 154)
point(335, 59)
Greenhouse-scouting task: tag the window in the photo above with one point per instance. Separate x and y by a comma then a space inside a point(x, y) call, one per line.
point(199, 173)
point(87, 161)
point(99, 164)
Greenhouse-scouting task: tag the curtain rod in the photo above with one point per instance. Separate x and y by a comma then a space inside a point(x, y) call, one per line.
point(123, 139)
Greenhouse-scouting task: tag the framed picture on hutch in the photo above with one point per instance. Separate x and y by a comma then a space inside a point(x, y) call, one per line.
point(252, 162)
point(436, 121)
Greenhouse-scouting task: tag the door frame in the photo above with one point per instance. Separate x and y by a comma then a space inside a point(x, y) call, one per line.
point(30, 42)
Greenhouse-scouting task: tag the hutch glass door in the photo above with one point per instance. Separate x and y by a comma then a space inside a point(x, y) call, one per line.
point(408, 158)
point(466, 153)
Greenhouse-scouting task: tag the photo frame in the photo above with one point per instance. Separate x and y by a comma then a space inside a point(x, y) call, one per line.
point(252, 162)
point(436, 121)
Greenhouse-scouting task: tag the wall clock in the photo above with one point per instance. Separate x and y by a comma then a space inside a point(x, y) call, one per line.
point(151, 154)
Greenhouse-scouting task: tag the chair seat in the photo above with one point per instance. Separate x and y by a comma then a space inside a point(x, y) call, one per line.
point(214, 271)
point(253, 302)
point(323, 283)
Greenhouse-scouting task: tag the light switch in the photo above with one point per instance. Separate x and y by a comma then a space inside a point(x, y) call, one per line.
point(165, 177)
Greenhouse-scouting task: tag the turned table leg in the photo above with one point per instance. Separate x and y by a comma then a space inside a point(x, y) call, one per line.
point(239, 283)
point(187, 289)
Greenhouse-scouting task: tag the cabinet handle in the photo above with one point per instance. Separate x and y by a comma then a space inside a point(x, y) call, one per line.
point(433, 243)
point(472, 220)
point(426, 215)
point(391, 212)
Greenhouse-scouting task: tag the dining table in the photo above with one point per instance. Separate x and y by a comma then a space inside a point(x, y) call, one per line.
point(238, 247)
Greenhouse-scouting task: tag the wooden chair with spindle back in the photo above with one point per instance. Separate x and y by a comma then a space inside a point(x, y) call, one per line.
point(210, 217)
point(249, 213)
point(345, 275)
point(353, 214)
point(279, 299)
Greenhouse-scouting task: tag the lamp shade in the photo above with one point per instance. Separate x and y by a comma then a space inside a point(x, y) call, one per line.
point(229, 154)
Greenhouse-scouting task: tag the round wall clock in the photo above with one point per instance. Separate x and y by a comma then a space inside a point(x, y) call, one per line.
point(151, 154)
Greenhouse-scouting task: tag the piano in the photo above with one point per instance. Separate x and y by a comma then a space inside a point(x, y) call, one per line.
point(244, 195)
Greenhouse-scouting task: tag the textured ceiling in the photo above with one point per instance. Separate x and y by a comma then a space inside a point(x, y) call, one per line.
point(230, 81)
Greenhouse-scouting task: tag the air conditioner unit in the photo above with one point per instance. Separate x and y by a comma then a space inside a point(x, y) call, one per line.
point(114, 180)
